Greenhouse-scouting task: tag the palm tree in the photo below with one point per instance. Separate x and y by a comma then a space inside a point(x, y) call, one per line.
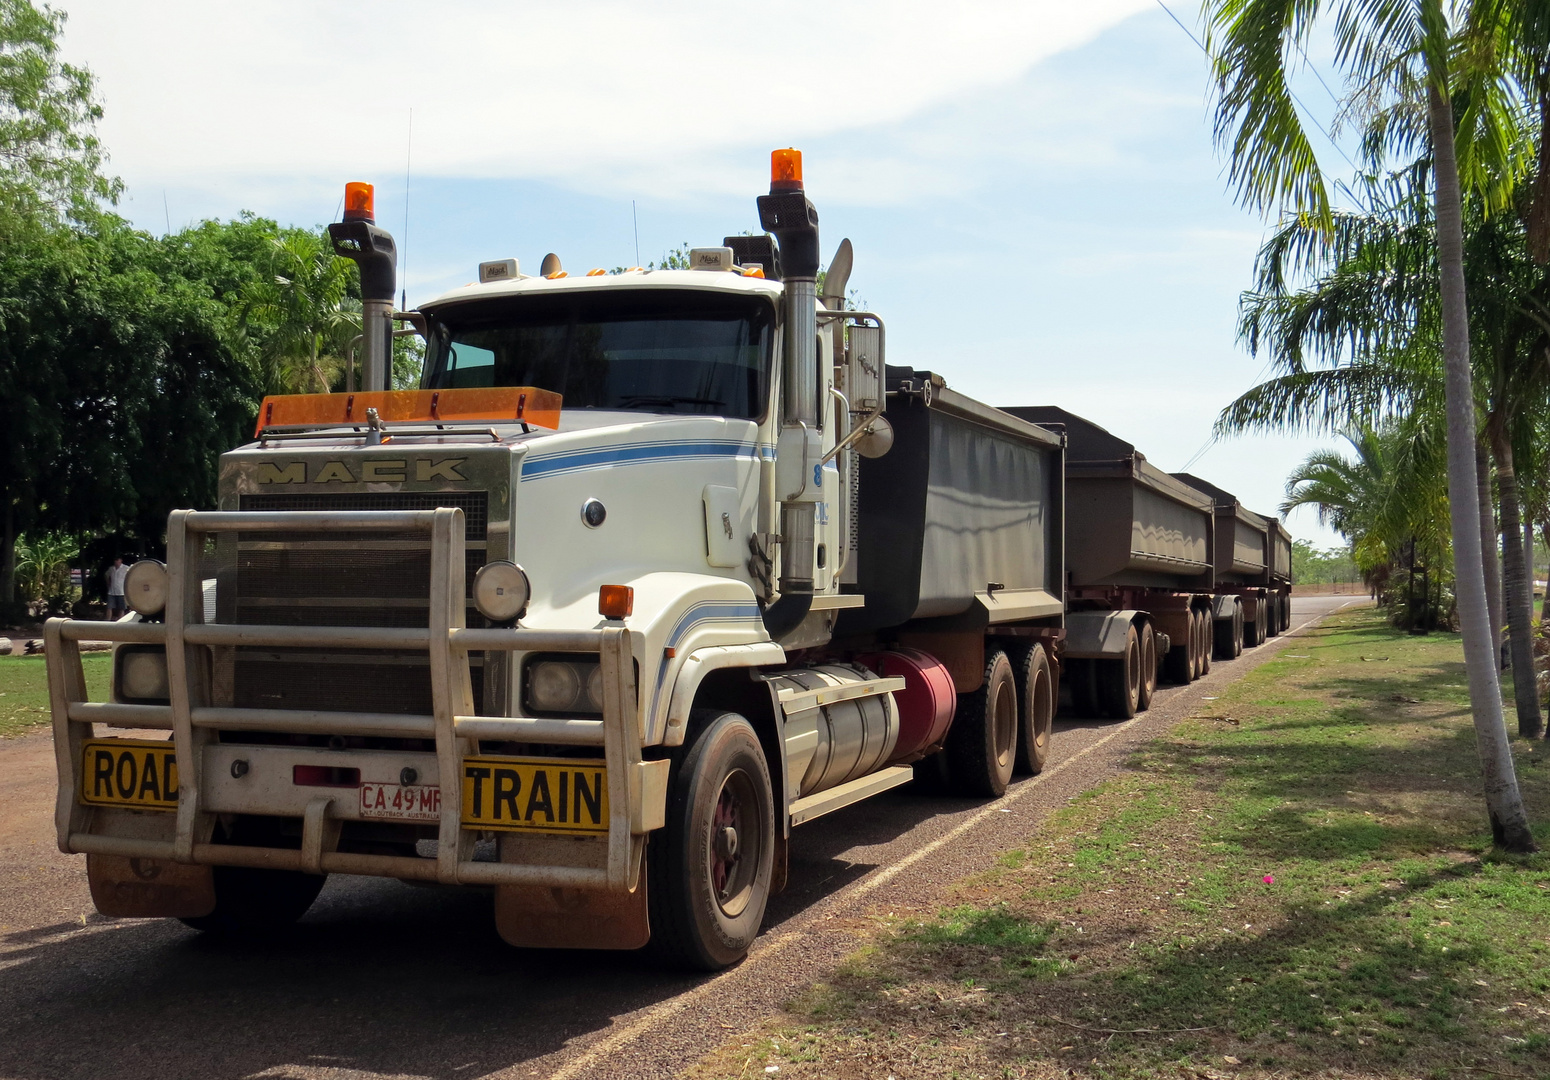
point(1369, 321)
point(301, 311)
point(1398, 55)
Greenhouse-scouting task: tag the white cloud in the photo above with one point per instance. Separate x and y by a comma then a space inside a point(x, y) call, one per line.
point(199, 92)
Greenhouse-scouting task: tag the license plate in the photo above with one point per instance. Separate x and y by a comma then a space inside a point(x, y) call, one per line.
point(406, 802)
point(546, 795)
point(129, 772)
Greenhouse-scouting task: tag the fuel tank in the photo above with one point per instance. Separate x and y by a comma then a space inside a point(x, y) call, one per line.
point(827, 745)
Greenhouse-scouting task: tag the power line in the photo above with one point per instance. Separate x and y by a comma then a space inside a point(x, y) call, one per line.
point(1289, 91)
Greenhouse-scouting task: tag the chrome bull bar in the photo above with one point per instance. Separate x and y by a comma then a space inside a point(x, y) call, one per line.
point(634, 787)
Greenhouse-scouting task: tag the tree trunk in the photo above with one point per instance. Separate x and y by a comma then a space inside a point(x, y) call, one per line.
point(1489, 544)
point(1518, 592)
point(1504, 802)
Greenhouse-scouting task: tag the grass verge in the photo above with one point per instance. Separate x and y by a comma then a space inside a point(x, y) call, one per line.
point(1296, 883)
point(24, 689)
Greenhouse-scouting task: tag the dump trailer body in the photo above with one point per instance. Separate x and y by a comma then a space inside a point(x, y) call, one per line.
point(1129, 524)
point(1242, 537)
point(962, 520)
point(1140, 553)
point(1247, 607)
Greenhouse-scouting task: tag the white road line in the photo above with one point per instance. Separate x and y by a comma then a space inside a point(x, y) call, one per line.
point(655, 1015)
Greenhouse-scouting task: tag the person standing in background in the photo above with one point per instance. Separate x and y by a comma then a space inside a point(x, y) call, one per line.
point(115, 575)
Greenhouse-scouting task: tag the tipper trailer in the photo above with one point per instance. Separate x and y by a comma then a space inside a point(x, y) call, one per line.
point(1253, 573)
point(652, 568)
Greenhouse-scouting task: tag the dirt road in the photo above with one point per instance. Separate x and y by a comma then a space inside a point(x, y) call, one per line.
point(388, 980)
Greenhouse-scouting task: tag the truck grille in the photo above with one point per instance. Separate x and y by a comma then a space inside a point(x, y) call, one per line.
point(336, 578)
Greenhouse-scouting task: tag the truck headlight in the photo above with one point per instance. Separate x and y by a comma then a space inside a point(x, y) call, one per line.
point(145, 587)
point(501, 591)
point(564, 686)
point(140, 674)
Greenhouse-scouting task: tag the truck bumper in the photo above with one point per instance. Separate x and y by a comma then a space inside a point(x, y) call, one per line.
point(208, 787)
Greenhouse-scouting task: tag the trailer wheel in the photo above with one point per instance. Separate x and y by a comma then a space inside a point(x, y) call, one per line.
point(253, 901)
point(982, 743)
point(710, 868)
point(1225, 635)
point(1203, 622)
point(1148, 666)
point(1119, 681)
point(1037, 715)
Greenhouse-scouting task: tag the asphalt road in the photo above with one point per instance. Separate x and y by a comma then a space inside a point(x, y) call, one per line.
point(383, 979)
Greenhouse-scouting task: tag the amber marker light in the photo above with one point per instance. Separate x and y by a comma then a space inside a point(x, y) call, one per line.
point(786, 170)
point(360, 198)
point(615, 601)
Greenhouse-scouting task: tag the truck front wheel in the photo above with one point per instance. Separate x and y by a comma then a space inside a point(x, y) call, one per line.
point(710, 867)
point(982, 743)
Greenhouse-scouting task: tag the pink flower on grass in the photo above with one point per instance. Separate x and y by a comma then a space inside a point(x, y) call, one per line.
point(1270, 879)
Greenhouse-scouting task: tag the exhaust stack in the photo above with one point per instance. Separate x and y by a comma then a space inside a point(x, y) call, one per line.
point(358, 239)
point(788, 213)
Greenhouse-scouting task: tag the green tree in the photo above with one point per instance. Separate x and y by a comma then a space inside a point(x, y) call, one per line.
point(50, 159)
point(1400, 56)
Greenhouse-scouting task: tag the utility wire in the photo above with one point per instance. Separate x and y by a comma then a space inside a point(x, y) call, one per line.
point(1290, 92)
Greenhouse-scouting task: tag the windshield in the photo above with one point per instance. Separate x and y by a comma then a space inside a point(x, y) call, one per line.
point(650, 350)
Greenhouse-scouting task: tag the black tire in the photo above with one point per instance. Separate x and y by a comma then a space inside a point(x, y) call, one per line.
point(1251, 636)
point(982, 743)
point(1119, 681)
point(1080, 676)
point(1179, 660)
point(1237, 630)
point(710, 867)
point(1148, 665)
point(1224, 635)
point(1203, 625)
point(1036, 713)
point(252, 901)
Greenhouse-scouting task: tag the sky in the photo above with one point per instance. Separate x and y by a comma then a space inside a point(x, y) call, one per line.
point(1038, 209)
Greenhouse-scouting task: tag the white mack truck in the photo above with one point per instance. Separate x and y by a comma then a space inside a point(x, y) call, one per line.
point(639, 580)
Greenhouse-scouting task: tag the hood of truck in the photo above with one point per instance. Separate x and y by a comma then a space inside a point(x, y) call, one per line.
point(661, 480)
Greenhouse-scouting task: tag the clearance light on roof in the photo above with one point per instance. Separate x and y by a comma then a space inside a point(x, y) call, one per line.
point(786, 170)
point(359, 201)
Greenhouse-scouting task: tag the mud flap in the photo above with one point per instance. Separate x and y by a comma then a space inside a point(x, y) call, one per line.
point(545, 917)
point(134, 888)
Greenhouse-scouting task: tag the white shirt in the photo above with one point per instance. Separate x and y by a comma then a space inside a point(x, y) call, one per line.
point(116, 576)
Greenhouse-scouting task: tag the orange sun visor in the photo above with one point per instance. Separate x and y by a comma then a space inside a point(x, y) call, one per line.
point(500, 404)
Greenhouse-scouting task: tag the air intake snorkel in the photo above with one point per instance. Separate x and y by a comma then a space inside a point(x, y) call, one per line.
point(790, 216)
point(360, 240)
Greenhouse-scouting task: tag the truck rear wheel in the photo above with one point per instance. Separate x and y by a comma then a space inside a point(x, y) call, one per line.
point(1119, 681)
point(1148, 665)
point(710, 867)
point(982, 743)
point(1037, 715)
point(253, 901)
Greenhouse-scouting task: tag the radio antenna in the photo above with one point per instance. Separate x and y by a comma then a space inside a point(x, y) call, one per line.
point(635, 220)
point(403, 294)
